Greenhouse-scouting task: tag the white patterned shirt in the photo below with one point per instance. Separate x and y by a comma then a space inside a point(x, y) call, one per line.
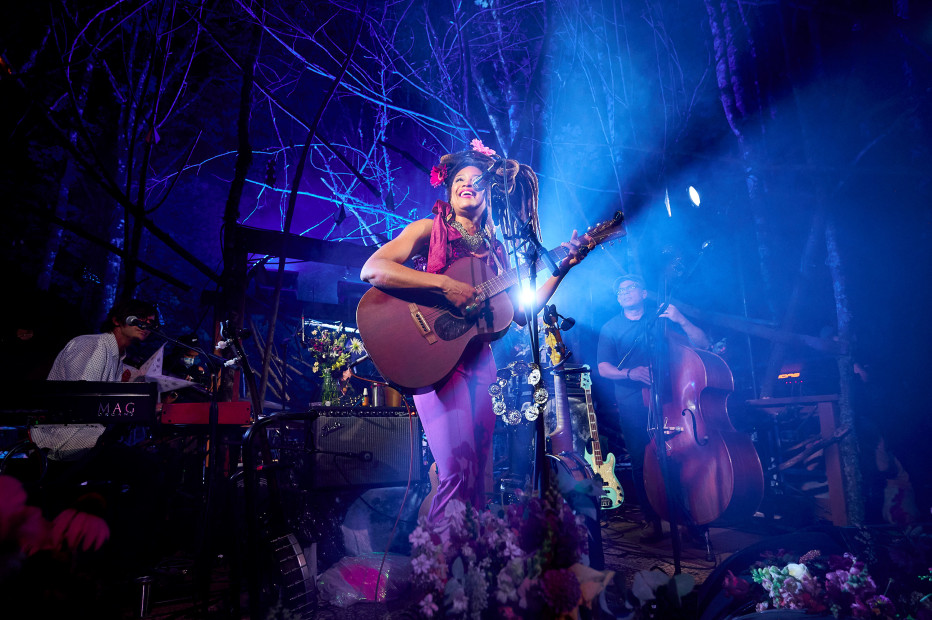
point(94, 357)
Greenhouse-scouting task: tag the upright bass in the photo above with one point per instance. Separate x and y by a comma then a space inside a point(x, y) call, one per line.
point(714, 467)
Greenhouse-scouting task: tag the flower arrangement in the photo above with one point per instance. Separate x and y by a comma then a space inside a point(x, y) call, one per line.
point(525, 564)
point(331, 353)
point(838, 585)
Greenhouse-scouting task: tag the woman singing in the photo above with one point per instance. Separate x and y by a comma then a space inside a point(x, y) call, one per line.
point(457, 413)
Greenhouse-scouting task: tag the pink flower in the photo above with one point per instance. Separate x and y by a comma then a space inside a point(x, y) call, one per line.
point(735, 587)
point(460, 601)
point(477, 146)
point(428, 606)
point(560, 590)
point(507, 613)
point(455, 512)
point(437, 175)
point(419, 537)
point(421, 565)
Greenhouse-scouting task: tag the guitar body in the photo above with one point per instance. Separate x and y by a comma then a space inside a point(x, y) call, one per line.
point(434, 476)
point(613, 496)
point(415, 339)
point(570, 466)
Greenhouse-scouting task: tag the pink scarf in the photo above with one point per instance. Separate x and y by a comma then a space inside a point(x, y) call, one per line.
point(440, 235)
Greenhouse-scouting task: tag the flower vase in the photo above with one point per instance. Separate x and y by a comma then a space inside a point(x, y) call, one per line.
point(329, 390)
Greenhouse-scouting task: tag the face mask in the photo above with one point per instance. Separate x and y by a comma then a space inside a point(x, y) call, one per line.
point(187, 361)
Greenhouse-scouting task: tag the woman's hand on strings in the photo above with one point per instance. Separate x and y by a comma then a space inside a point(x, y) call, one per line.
point(460, 294)
point(574, 245)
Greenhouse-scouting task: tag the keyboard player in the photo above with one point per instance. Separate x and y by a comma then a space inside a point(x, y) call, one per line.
point(94, 357)
point(134, 480)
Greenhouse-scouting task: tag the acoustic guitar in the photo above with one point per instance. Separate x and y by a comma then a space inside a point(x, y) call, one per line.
point(434, 477)
point(415, 338)
point(613, 496)
point(565, 460)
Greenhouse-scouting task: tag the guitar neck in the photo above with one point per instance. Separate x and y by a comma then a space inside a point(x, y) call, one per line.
point(506, 280)
point(561, 440)
point(594, 431)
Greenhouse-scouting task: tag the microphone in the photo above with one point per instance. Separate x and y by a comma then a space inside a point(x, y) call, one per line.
point(485, 180)
point(135, 321)
point(359, 361)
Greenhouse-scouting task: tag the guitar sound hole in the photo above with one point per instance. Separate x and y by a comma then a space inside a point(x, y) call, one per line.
point(450, 327)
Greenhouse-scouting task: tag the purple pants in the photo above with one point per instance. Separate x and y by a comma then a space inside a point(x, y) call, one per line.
point(458, 421)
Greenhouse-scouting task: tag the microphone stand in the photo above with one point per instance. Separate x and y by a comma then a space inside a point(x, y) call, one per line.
point(202, 555)
point(656, 426)
point(519, 234)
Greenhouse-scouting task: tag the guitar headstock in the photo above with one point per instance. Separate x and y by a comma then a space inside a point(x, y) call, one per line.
point(604, 231)
point(585, 379)
point(554, 340)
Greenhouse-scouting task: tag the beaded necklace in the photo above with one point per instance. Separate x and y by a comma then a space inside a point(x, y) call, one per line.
point(473, 241)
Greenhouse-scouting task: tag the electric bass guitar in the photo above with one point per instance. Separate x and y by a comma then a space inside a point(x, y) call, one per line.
point(613, 496)
point(415, 338)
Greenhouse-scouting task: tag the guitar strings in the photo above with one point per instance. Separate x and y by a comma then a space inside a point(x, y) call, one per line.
point(491, 287)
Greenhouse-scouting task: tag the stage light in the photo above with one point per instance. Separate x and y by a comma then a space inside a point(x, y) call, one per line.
point(528, 296)
point(694, 195)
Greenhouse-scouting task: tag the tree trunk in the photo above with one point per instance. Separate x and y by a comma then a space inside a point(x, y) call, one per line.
point(850, 452)
point(233, 278)
point(732, 95)
point(69, 176)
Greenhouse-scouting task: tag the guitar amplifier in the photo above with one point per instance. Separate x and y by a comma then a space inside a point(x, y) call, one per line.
point(338, 447)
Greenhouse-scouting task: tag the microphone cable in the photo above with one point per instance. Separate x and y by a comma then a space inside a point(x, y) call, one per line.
point(404, 499)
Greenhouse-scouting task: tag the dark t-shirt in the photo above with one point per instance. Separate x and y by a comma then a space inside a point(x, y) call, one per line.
point(621, 335)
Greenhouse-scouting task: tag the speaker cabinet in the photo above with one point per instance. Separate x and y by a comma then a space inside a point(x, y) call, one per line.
point(367, 448)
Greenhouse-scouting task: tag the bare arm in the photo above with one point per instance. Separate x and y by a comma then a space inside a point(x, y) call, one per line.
point(696, 336)
point(608, 371)
point(549, 287)
point(385, 268)
point(635, 373)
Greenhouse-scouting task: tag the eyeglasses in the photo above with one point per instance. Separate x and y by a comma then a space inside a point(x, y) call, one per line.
point(627, 289)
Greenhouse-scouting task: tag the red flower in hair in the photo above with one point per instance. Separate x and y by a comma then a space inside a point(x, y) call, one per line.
point(437, 175)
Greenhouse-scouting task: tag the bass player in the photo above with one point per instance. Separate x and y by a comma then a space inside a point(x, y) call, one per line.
point(616, 340)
